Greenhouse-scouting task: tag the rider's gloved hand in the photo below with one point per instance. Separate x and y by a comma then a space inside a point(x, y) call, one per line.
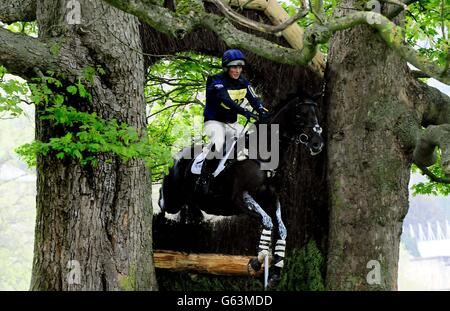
point(249, 114)
point(264, 117)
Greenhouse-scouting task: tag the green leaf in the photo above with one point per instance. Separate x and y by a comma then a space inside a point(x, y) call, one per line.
point(431, 187)
point(72, 89)
point(88, 73)
point(77, 154)
point(59, 99)
point(60, 155)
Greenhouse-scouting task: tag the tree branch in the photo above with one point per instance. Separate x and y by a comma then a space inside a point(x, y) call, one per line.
point(236, 38)
point(433, 177)
point(196, 102)
point(419, 74)
point(244, 21)
point(432, 136)
point(20, 54)
point(162, 19)
point(17, 11)
point(432, 105)
point(316, 8)
point(393, 11)
point(178, 25)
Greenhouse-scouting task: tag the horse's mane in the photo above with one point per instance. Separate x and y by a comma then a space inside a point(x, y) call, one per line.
point(290, 98)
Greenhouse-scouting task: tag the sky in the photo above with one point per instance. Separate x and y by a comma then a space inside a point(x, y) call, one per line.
point(444, 88)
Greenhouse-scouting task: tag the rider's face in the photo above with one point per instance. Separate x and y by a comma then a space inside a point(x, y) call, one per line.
point(234, 71)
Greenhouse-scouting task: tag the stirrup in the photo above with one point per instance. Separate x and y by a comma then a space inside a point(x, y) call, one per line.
point(202, 184)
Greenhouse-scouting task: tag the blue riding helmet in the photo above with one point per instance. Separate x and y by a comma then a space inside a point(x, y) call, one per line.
point(233, 57)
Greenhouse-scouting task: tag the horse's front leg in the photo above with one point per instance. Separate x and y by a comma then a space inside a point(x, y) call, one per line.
point(254, 265)
point(280, 249)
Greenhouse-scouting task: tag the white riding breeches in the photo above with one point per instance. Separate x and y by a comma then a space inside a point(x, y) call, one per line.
point(220, 132)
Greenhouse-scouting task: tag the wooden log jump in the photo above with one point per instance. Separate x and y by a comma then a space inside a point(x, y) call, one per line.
point(218, 264)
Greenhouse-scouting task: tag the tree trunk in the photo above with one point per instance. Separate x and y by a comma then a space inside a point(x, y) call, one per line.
point(369, 163)
point(93, 228)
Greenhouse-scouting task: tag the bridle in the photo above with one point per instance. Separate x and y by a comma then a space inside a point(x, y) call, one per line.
point(303, 138)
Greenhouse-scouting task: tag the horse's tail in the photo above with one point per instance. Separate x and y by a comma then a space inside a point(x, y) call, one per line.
point(171, 196)
point(161, 197)
point(169, 199)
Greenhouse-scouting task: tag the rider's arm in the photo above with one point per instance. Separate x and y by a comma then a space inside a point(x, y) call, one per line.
point(226, 100)
point(254, 101)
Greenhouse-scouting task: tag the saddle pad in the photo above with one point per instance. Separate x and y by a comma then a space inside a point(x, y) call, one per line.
point(196, 167)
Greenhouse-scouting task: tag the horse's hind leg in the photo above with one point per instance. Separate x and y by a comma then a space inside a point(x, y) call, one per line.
point(280, 248)
point(265, 239)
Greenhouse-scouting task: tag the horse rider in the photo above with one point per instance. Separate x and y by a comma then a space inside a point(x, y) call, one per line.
point(225, 93)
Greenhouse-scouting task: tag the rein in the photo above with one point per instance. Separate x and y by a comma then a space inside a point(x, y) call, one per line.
point(302, 137)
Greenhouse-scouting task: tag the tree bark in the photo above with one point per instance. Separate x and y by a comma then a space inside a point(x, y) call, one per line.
point(369, 159)
point(21, 54)
point(17, 11)
point(93, 228)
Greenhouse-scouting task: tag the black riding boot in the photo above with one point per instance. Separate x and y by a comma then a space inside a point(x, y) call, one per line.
point(208, 168)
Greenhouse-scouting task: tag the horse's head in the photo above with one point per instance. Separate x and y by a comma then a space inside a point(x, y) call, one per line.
point(299, 122)
point(305, 122)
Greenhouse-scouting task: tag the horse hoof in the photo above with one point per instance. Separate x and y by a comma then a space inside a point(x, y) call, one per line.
point(273, 282)
point(253, 266)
